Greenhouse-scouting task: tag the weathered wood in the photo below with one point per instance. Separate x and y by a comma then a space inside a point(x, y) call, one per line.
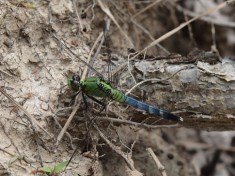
point(199, 88)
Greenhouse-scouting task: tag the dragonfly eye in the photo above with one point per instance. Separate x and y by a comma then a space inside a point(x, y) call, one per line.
point(76, 79)
point(74, 82)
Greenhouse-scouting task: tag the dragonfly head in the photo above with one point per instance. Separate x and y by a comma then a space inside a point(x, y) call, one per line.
point(74, 82)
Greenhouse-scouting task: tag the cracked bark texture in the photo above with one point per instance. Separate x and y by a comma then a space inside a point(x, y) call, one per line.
point(201, 92)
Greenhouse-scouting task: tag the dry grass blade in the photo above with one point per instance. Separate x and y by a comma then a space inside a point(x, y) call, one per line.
point(78, 16)
point(218, 22)
point(170, 33)
point(161, 168)
point(100, 38)
point(62, 132)
point(146, 8)
point(62, 44)
point(29, 117)
point(93, 48)
point(107, 11)
point(154, 79)
point(136, 124)
point(173, 31)
point(125, 156)
point(79, 97)
point(6, 73)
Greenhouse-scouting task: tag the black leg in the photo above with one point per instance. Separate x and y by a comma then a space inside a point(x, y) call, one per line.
point(73, 96)
point(98, 101)
point(84, 100)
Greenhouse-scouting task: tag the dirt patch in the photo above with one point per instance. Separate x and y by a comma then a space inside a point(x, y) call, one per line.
point(43, 43)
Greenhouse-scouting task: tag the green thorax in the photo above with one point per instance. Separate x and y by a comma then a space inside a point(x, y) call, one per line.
point(95, 86)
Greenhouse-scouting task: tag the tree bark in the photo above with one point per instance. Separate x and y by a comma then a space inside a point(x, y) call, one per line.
point(199, 87)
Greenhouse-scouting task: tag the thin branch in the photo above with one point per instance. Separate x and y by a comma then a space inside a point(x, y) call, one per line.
point(92, 49)
point(32, 121)
point(140, 26)
point(72, 54)
point(54, 116)
point(125, 156)
point(150, 36)
point(216, 21)
point(64, 129)
point(79, 96)
point(146, 8)
point(108, 12)
point(6, 73)
point(128, 66)
point(102, 38)
point(170, 33)
point(175, 30)
point(160, 167)
point(190, 31)
point(78, 16)
point(143, 125)
point(12, 141)
point(154, 79)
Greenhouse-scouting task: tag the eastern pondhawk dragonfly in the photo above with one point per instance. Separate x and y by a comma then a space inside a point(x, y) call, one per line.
point(97, 87)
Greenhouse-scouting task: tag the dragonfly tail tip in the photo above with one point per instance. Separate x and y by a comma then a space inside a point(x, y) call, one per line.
point(181, 119)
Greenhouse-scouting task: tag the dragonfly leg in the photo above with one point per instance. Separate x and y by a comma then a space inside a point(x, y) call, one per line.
point(98, 101)
point(73, 97)
point(85, 102)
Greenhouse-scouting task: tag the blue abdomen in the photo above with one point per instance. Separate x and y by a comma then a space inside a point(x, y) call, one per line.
point(151, 109)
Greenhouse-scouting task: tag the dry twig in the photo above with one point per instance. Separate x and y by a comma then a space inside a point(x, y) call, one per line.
point(140, 26)
point(78, 16)
point(173, 31)
point(79, 97)
point(61, 134)
point(160, 167)
point(154, 79)
point(32, 121)
point(146, 8)
point(108, 12)
point(143, 125)
point(126, 157)
point(216, 21)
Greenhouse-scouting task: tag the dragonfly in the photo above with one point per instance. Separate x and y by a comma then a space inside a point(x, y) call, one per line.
point(98, 87)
